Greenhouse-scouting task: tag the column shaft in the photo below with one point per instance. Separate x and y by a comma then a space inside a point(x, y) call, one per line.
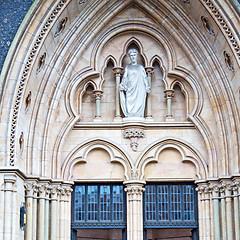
point(29, 212)
point(134, 191)
point(98, 94)
point(236, 216)
point(117, 71)
point(117, 96)
point(46, 228)
point(216, 219)
point(34, 218)
point(53, 228)
point(149, 97)
point(229, 217)
point(41, 219)
point(223, 217)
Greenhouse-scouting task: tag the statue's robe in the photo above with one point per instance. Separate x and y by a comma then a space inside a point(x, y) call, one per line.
point(133, 98)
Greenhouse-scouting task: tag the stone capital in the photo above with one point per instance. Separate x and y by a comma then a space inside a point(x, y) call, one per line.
point(118, 71)
point(97, 94)
point(149, 71)
point(134, 187)
point(169, 93)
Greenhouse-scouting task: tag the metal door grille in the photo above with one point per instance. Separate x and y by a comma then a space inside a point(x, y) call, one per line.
point(170, 205)
point(98, 206)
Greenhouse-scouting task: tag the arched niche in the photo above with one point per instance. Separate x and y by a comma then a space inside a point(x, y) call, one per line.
point(170, 165)
point(87, 107)
point(179, 104)
point(96, 159)
point(108, 100)
point(171, 159)
point(97, 166)
point(158, 86)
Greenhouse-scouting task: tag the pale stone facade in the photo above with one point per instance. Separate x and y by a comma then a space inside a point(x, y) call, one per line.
point(61, 120)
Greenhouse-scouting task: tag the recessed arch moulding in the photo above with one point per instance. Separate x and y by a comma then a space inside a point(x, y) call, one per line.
point(78, 57)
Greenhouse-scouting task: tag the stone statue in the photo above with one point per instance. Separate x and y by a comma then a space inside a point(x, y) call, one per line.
point(133, 89)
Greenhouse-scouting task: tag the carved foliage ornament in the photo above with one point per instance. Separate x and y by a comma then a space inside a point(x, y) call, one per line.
point(134, 135)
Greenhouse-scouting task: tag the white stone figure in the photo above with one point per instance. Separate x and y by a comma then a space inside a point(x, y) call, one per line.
point(133, 89)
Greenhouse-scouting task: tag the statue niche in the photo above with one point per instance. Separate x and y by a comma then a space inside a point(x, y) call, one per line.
point(133, 89)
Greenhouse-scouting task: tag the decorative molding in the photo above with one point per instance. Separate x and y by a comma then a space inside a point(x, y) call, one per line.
point(134, 135)
point(224, 25)
point(25, 75)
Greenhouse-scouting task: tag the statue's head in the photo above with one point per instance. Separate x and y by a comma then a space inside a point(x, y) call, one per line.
point(133, 55)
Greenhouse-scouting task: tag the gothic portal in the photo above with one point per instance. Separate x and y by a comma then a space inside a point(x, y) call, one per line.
point(120, 120)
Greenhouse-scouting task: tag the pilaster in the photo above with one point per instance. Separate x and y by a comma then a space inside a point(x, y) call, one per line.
point(134, 189)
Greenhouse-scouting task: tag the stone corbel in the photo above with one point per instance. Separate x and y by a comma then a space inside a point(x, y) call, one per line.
point(134, 135)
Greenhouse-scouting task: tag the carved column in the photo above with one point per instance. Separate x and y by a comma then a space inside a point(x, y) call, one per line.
point(41, 211)
point(98, 95)
point(223, 213)
point(68, 212)
point(46, 225)
point(207, 212)
point(34, 211)
point(9, 181)
point(236, 208)
point(200, 191)
point(29, 210)
point(53, 224)
point(229, 215)
point(134, 189)
point(150, 72)
point(216, 217)
point(169, 94)
point(62, 216)
point(117, 71)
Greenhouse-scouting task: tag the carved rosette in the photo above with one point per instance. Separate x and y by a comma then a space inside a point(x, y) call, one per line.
point(134, 135)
